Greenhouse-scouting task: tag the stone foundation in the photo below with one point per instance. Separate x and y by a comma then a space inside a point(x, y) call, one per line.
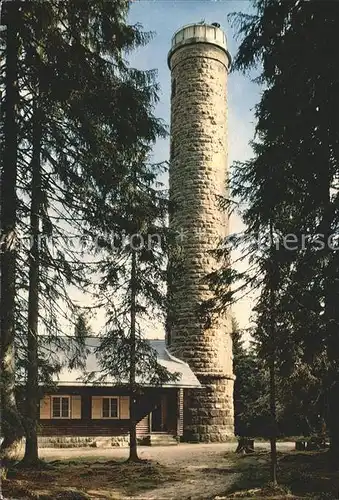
point(82, 441)
point(209, 411)
point(161, 439)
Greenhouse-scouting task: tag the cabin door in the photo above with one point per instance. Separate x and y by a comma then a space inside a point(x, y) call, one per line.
point(159, 417)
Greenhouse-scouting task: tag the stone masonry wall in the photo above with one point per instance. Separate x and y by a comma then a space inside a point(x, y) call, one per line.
point(198, 174)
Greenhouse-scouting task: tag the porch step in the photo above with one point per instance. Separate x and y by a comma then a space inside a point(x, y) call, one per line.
point(161, 440)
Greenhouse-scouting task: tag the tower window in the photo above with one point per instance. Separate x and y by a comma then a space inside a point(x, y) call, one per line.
point(172, 150)
point(174, 87)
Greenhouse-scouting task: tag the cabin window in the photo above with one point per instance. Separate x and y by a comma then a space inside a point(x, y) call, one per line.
point(110, 408)
point(61, 407)
point(174, 87)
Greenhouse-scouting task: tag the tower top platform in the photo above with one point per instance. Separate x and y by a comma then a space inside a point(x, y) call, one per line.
point(198, 33)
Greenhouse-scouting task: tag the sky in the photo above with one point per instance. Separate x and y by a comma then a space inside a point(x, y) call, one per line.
point(164, 17)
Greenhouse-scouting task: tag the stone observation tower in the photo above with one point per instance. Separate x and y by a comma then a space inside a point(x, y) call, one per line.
point(199, 64)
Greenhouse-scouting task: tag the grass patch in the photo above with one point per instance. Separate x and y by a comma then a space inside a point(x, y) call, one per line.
point(300, 475)
point(87, 479)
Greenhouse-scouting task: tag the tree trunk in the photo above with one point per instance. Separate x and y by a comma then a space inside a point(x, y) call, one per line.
point(32, 387)
point(245, 445)
point(133, 452)
point(333, 389)
point(333, 412)
point(330, 319)
point(12, 430)
point(273, 438)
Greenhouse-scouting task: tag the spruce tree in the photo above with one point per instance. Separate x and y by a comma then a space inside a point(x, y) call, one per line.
point(290, 184)
point(250, 387)
point(10, 419)
point(297, 119)
point(75, 57)
point(133, 282)
point(32, 389)
point(288, 187)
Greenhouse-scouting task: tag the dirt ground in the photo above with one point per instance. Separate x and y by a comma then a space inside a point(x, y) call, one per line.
point(183, 472)
point(183, 454)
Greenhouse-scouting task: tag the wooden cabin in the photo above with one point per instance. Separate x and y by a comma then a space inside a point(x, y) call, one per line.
point(92, 412)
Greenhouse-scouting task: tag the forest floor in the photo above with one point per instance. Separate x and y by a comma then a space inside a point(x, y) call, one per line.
point(184, 472)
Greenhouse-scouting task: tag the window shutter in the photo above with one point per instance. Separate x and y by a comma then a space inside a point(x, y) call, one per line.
point(45, 407)
point(76, 407)
point(96, 406)
point(124, 407)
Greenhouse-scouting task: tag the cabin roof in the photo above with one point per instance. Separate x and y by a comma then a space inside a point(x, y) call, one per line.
point(76, 376)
